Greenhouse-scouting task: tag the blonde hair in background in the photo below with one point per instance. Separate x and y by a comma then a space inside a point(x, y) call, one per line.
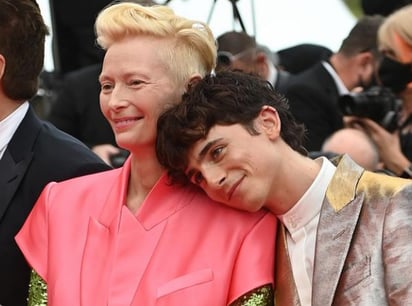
point(399, 22)
point(192, 45)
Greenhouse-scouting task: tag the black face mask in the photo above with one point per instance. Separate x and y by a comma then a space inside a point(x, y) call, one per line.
point(394, 75)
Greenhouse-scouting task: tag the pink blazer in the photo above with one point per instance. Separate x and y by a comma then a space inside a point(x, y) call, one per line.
point(181, 248)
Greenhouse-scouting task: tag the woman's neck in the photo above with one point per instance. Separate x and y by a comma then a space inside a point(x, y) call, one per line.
point(144, 174)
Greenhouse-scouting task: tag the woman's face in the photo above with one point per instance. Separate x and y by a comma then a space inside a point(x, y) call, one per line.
point(136, 86)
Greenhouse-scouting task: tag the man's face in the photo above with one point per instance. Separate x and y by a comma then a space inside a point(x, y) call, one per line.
point(233, 167)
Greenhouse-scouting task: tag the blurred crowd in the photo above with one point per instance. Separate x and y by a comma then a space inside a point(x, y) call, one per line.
point(355, 87)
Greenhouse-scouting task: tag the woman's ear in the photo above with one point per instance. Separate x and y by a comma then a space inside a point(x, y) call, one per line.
point(269, 121)
point(193, 80)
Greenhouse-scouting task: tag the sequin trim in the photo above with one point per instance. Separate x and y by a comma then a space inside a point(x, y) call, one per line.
point(262, 296)
point(37, 291)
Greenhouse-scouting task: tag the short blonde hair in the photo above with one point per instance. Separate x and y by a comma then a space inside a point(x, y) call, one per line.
point(192, 44)
point(399, 22)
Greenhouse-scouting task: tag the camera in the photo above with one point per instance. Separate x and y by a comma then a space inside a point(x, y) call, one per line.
point(377, 103)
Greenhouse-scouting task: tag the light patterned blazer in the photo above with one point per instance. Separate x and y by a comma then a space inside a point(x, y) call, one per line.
point(363, 252)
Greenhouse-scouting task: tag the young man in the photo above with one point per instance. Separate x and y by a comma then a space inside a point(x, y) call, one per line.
point(345, 232)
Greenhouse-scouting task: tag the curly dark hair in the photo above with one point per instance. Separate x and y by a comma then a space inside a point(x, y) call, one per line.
point(227, 98)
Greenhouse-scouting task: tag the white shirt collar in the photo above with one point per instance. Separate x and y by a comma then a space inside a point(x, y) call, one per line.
point(310, 203)
point(9, 125)
point(342, 90)
point(272, 75)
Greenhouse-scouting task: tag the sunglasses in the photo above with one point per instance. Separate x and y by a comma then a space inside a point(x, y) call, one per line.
point(225, 58)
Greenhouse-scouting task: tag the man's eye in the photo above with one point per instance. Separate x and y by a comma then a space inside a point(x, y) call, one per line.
point(216, 152)
point(198, 178)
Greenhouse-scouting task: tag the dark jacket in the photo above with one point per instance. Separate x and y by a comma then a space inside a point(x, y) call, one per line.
point(313, 98)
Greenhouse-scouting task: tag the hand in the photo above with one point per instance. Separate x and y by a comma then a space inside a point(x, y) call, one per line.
point(105, 151)
point(388, 144)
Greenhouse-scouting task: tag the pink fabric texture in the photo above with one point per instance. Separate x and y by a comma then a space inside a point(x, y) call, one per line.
point(180, 248)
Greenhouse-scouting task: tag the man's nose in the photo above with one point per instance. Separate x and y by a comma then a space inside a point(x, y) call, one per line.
point(214, 176)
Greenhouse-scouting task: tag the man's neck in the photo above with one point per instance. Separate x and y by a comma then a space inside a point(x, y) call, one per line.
point(344, 69)
point(7, 106)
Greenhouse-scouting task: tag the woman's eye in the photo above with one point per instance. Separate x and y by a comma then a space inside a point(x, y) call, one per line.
point(135, 82)
point(106, 87)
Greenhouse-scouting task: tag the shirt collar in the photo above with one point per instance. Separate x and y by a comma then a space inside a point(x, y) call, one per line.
point(272, 75)
point(9, 125)
point(342, 90)
point(310, 203)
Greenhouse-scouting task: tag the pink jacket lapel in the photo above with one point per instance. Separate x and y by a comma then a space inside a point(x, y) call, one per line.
point(163, 201)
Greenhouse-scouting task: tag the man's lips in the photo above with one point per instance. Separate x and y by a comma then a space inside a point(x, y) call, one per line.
point(234, 187)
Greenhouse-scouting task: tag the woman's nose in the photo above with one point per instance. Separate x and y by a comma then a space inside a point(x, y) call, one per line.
point(117, 99)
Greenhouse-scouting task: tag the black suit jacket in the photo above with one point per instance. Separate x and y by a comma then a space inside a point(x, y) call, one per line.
point(282, 81)
point(37, 154)
point(313, 99)
point(77, 110)
point(74, 38)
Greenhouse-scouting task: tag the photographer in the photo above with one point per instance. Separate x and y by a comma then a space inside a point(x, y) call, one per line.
point(393, 137)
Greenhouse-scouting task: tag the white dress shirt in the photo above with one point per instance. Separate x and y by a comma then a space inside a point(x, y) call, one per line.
point(342, 89)
point(9, 125)
point(301, 222)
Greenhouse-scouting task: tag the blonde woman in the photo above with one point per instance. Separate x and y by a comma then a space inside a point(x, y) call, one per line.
point(126, 236)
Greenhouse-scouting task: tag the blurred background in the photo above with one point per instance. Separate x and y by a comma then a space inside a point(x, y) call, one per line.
point(275, 23)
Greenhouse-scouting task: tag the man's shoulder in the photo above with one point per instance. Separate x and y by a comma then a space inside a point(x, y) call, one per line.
point(50, 135)
point(70, 156)
point(314, 76)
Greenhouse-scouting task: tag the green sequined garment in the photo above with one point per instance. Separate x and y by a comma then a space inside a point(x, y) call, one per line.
point(37, 291)
point(262, 296)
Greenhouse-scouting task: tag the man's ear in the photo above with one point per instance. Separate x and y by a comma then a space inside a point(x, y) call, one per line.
point(269, 122)
point(2, 66)
point(193, 80)
point(261, 65)
point(365, 59)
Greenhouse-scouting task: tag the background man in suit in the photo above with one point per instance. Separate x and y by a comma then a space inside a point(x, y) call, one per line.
point(345, 232)
point(300, 57)
point(238, 50)
point(32, 152)
point(74, 45)
point(313, 94)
